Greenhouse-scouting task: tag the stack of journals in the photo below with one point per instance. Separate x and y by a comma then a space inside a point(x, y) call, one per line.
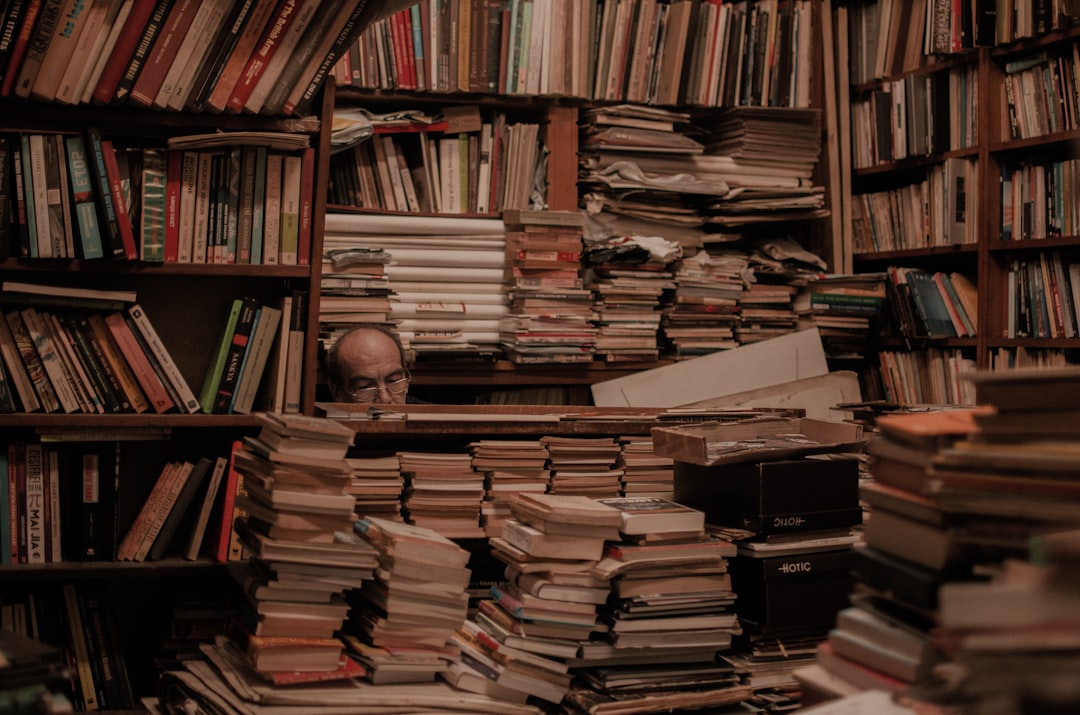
point(403, 619)
point(377, 485)
point(766, 309)
point(297, 524)
point(536, 620)
point(669, 610)
point(645, 473)
point(442, 492)
point(509, 467)
point(550, 313)
point(583, 465)
point(708, 287)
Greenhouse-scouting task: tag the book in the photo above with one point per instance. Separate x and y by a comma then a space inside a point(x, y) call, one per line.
point(162, 55)
point(291, 181)
point(221, 527)
point(193, 544)
point(255, 357)
point(212, 377)
point(179, 509)
point(114, 245)
point(46, 351)
point(141, 53)
point(128, 36)
point(538, 544)
point(31, 360)
point(125, 375)
point(652, 515)
point(141, 525)
point(187, 401)
point(119, 200)
point(153, 210)
point(82, 194)
point(38, 45)
point(16, 369)
point(271, 55)
point(232, 360)
point(248, 30)
point(189, 53)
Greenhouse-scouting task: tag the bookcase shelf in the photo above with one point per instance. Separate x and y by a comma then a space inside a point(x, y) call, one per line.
point(124, 421)
point(98, 267)
point(78, 570)
point(960, 250)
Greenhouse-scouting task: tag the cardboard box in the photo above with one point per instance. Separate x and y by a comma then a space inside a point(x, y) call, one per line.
point(781, 497)
point(712, 443)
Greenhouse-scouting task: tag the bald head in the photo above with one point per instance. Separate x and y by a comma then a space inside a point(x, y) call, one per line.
point(365, 358)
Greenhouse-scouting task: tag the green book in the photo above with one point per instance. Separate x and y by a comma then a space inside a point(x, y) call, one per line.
point(153, 199)
point(213, 370)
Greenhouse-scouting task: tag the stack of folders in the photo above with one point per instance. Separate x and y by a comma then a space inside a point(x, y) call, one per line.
point(297, 525)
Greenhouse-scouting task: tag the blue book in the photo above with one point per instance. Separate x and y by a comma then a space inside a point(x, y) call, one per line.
point(82, 193)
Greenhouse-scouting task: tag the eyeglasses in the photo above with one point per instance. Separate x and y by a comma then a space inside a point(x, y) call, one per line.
point(396, 388)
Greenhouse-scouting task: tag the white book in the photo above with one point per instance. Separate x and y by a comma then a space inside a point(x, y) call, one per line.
point(189, 403)
point(291, 173)
point(110, 31)
point(35, 504)
point(483, 183)
point(202, 207)
point(449, 174)
point(189, 171)
point(196, 41)
point(40, 190)
point(83, 55)
point(272, 211)
point(258, 351)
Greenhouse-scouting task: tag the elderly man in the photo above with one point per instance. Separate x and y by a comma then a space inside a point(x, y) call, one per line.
point(367, 365)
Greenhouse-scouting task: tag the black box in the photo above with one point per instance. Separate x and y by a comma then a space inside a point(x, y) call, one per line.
point(797, 591)
point(781, 497)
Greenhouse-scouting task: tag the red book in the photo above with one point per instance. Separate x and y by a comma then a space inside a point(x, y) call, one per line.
point(272, 36)
point(138, 362)
point(163, 53)
point(307, 208)
point(173, 173)
point(116, 190)
point(233, 483)
point(125, 45)
point(19, 45)
point(245, 45)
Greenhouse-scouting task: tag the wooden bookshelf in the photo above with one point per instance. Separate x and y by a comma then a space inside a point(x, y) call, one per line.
point(994, 150)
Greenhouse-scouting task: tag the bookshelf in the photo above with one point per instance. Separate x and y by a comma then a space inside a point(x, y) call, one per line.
point(964, 114)
point(669, 71)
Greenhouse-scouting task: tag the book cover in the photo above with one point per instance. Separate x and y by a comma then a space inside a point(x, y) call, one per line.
point(272, 55)
point(142, 323)
point(162, 57)
point(100, 381)
point(37, 190)
point(246, 204)
point(176, 514)
point(140, 53)
point(239, 339)
point(85, 391)
point(154, 206)
point(251, 29)
point(291, 180)
point(109, 209)
point(303, 93)
point(222, 526)
point(272, 211)
point(258, 206)
point(60, 49)
point(37, 45)
point(313, 46)
point(82, 193)
point(111, 29)
point(86, 49)
point(164, 507)
point(255, 358)
point(139, 363)
point(193, 544)
point(212, 377)
point(50, 361)
point(128, 35)
point(128, 384)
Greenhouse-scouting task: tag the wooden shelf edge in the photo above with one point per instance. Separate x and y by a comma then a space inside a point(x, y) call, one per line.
point(103, 569)
point(75, 265)
point(101, 423)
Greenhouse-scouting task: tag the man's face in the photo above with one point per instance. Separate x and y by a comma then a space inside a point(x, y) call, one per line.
point(372, 371)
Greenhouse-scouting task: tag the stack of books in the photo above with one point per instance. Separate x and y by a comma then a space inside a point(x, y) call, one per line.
point(629, 298)
point(297, 525)
point(509, 467)
point(583, 465)
point(442, 492)
point(403, 619)
point(533, 623)
point(846, 309)
point(355, 291)
point(551, 312)
point(377, 485)
point(645, 473)
point(705, 311)
point(669, 612)
point(766, 310)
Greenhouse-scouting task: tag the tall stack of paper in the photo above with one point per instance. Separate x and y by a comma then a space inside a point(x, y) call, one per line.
point(377, 485)
point(509, 467)
point(551, 313)
point(442, 492)
point(583, 465)
point(297, 525)
point(401, 621)
point(445, 276)
point(708, 287)
point(355, 290)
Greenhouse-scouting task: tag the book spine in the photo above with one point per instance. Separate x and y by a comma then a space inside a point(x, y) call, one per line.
point(198, 532)
point(35, 504)
point(258, 206)
point(225, 534)
point(301, 96)
point(160, 59)
point(255, 359)
point(128, 383)
point(253, 26)
point(116, 192)
point(246, 203)
point(129, 545)
point(238, 343)
point(154, 210)
point(178, 509)
point(140, 366)
point(275, 57)
point(35, 328)
point(290, 209)
point(82, 192)
point(100, 176)
point(212, 378)
point(188, 403)
point(306, 208)
point(77, 635)
point(128, 35)
point(294, 367)
point(173, 186)
point(38, 189)
point(90, 400)
point(37, 46)
point(141, 52)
